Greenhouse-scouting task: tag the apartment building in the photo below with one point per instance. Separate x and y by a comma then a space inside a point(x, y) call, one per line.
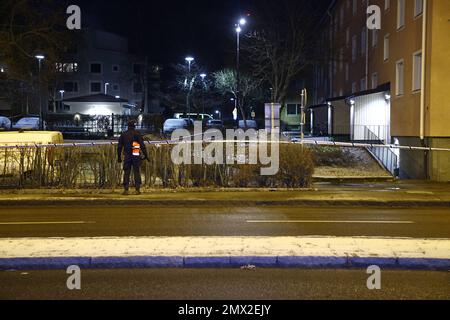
point(388, 84)
point(100, 64)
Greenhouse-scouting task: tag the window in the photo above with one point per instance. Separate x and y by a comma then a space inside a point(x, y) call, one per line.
point(363, 41)
point(137, 68)
point(115, 68)
point(116, 87)
point(137, 87)
point(292, 110)
point(374, 80)
point(418, 7)
point(387, 4)
point(70, 86)
point(96, 68)
point(417, 71)
point(386, 47)
point(354, 48)
point(347, 71)
point(399, 77)
point(400, 14)
point(354, 87)
point(374, 38)
point(363, 84)
point(96, 87)
point(347, 37)
point(355, 7)
point(67, 67)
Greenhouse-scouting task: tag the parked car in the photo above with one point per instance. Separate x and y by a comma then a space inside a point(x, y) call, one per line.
point(214, 124)
point(251, 124)
point(5, 123)
point(173, 124)
point(28, 123)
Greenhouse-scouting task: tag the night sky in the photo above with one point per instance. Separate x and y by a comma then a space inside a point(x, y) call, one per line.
point(168, 30)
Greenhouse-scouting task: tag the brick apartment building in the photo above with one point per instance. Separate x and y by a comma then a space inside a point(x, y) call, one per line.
point(390, 84)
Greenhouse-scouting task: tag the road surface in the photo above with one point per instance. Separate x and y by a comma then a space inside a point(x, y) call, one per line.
point(206, 284)
point(60, 221)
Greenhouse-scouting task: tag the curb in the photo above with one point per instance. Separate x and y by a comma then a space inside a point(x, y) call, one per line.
point(248, 203)
point(57, 263)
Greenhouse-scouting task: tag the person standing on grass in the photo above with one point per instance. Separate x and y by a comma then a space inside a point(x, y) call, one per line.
point(131, 145)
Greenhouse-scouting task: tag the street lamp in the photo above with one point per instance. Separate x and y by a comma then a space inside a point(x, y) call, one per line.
point(219, 114)
point(106, 87)
point(238, 29)
point(61, 92)
point(189, 60)
point(203, 76)
point(40, 57)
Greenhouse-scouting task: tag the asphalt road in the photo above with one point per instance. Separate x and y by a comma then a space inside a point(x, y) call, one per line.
point(62, 221)
point(229, 284)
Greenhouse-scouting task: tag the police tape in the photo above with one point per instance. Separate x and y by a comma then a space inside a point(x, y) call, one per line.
point(183, 140)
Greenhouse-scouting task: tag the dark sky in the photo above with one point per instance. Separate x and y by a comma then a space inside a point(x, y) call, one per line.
point(168, 30)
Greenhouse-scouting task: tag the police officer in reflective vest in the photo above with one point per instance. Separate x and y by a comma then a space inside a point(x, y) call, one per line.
point(131, 144)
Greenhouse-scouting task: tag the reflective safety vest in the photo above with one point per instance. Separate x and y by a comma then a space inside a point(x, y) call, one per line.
point(136, 149)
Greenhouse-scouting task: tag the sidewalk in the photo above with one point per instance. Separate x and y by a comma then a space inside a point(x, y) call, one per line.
point(395, 194)
point(224, 252)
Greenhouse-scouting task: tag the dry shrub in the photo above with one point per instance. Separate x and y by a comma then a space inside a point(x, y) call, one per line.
point(296, 166)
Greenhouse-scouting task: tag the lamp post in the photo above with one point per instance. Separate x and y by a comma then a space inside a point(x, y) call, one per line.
point(61, 92)
point(203, 76)
point(238, 29)
point(189, 60)
point(40, 57)
point(106, 87)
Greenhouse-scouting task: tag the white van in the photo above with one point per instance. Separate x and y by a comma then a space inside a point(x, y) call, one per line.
point(173, 124)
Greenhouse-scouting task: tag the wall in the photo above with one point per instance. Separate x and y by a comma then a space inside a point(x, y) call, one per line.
point(87, 108)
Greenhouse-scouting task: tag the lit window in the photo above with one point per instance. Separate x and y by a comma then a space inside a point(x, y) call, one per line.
point(67, 67)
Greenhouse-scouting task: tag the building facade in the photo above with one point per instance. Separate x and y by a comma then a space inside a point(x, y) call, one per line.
point(101, 63)
point(388, 84)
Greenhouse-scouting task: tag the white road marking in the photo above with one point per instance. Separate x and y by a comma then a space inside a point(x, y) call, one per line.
point(19, 223)
point(330, 221)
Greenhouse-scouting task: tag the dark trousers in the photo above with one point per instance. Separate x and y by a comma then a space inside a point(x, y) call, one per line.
point(135, 163)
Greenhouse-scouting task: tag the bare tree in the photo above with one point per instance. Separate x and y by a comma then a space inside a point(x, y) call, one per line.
point(226, 83)
point(26, 28)
point(281, 43)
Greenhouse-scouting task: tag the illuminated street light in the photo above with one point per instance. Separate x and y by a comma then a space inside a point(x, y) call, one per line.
point(189, 60)
point(40, 57)
point(106, 87)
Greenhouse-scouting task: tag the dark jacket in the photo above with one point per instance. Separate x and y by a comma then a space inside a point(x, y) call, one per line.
point(126, 144)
